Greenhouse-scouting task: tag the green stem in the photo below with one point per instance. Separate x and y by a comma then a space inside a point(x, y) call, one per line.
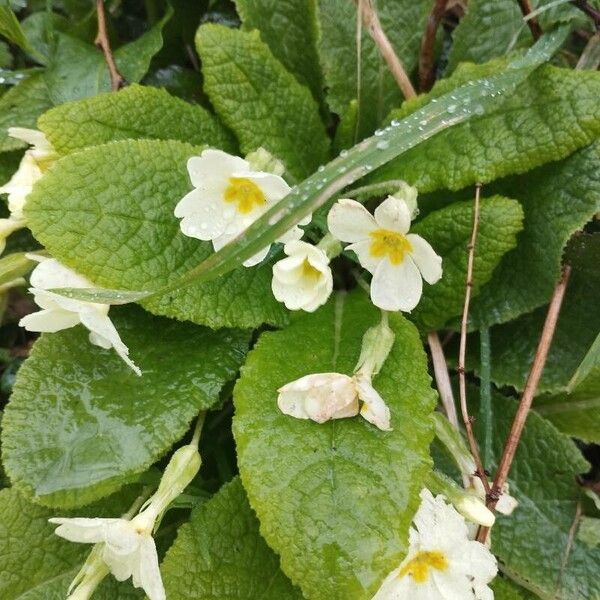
point(486, 416)
point(198, 429)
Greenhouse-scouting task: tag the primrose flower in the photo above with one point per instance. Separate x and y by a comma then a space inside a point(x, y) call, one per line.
point(33, 164)
point(228, 196)
point(303, 280)
point(398, 260)
point(59, 312)
point(324, 396)
point(442, 562)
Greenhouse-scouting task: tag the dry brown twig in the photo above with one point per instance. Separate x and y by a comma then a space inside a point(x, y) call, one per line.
point(371, 22)
point(426, 71)
point(533, 379)
point(589, 10)
point(532, 23)
point(117, 81)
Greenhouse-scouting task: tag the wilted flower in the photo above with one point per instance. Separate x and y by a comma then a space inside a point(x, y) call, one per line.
point(398, 260)
point(303, 280)
point(59, 312)
point(228, 196)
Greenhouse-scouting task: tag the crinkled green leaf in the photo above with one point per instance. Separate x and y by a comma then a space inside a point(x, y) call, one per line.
point(558, 199)
point(11, 29)
point(36, 563)
point(289, 28)
point(132, 113)
point(448, 230)
point(377, 91)
point(548, 116)
point(20, 107)
point(80, 423)
point(219, 554)
point(259, 100)
point(504, 589)
point(589, 531)
point(107, 212)
point(334, 500)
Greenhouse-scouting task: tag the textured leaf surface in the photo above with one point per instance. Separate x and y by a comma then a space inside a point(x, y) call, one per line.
point(38, 565)
point(334, 500)
point(134, 112)
point(296, 49)
point(558, 199)
point(80, 424)
point(220, 555)
point(377, 91)
point(20, 107)
point(107, 212)
point(504, 589)
point(547, 117)
point(448, 230)
point(259, 100)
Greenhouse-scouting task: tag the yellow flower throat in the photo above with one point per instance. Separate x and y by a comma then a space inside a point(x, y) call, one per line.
point(389, 243)
point(419, 566)
point(245, 193)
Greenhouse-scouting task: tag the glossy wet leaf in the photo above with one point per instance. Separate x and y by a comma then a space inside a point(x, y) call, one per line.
point(108, 213)
point(80, 423)
point(219, 554)
point(334, 500)
point(135, 112)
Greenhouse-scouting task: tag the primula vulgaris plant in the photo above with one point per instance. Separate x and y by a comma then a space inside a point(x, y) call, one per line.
point(289, 263)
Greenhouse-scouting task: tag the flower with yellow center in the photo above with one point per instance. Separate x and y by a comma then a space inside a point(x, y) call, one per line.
point(442, 562)
point(398, 260)
point(228, 196)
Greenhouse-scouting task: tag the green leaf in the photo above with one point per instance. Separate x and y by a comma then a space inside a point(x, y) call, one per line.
point(80, 424)
point(132, 113)
point(20, 107)
point(377, 91)
point(296, 50)
point(534, 542)
point(11, 29)
point(38, 565)
point(14, 266)
point(448, 230)
point(558, 199)
point(504, 589)
point(220, 554)
point(259, 100)
point(549, 115)
point(107, 212)
point(334, 500)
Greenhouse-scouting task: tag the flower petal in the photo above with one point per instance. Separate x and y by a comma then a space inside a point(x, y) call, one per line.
point(32, 136)
point(374, 408)
point(273, 187)
point(50, 320)
point(396, 287)
point(393, 214)
point(214, 166)
point(147, 572)
point(350, 221)
point(205, 216)
point(80, 529)
point(428, 262)
point(363, 253)
point(50, 274)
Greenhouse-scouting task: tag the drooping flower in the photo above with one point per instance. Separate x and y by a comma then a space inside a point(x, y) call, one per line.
point(398, 260)
point(33, 165)
point(59, 312)
point(228, 196)
point(442, 562)
point(303, 280)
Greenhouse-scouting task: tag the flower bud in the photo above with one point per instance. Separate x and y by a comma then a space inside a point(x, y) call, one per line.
point(377, 343)
point(263, 160)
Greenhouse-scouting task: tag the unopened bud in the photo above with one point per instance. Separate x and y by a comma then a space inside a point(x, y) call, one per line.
point(263, 160)
point(409, 194)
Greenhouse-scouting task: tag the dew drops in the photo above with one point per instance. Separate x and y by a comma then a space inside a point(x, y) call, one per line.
point(379, 132)
point(395, 123)
point(344, 153)
point(452, 108)
point(383, 144)
point(321, 168)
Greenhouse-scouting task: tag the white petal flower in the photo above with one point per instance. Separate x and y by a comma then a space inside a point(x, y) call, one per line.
point(324, 396)
point(442, 562)
point(228, 196)
point(59, 312)
point(303, 280)
point(128, 548)
point(398, 260)
point(33, 164)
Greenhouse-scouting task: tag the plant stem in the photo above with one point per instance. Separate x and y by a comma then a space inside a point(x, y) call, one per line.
point(463, 346)
point(426, 71)
point(116, 79)
point(533, 24)
point(198, 428)
point(373, 25)
point(485, 403)
point(590, 11)
point(442, 379)
point(533, 379)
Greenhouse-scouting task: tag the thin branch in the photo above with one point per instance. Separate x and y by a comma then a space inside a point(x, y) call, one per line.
point(533, 379)
point(533, 24)
point(590, 11)
point(373, 25)
point(116, 79)
point(442, 379)
point(480, 472)
point(426, 70)
point(569, 545)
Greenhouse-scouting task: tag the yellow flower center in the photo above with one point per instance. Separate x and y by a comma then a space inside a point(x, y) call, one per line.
point(419, 566)
point(309, 271)
point(245, 193)
point(389, 243)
